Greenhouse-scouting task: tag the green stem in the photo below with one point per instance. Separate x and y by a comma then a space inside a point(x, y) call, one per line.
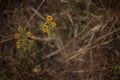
point(49, 34)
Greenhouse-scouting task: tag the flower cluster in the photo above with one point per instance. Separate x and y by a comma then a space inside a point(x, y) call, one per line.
point(49, 25)
point(22, 38)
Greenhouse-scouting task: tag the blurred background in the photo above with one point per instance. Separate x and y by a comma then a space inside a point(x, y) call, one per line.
point(85, 44)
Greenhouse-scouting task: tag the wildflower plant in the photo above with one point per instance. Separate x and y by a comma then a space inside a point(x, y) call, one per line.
point(48, 26)
point(22, 41)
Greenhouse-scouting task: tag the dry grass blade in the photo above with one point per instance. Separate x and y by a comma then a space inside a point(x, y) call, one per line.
point(87, 48)
point(34, 13)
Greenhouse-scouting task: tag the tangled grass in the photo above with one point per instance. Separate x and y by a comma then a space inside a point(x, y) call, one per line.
point(83, 46)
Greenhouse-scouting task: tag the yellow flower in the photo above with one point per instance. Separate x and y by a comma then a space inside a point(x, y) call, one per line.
point(18, 46)
point(20, 28)
point(18, 42)
point(28, 33)
point(17, 35)
point(53, 24)
point(36, 70)
point(49, 18)
point(45, 28)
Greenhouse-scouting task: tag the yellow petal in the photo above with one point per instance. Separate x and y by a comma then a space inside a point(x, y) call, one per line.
point(17, 35)
point(20, 28)
point(28, 33)
point(53, 24)
point(45, 28)
point(49, 18)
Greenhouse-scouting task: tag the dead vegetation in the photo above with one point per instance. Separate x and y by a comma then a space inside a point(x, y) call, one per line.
point(84, 46)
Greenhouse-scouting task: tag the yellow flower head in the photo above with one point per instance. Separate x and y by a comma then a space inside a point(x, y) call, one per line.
point(28, 33)
point(18, 42)
point(17, 35)
point(53, 24)
point(36, 70)
point(49, 18)
point(18, 46)
point(20, 28)
point(45, 28)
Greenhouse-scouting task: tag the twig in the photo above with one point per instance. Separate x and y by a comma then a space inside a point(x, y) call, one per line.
point(2, 41)
point(82, 50)
point(41, 39)
point(38, 14)
point(34, 13)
